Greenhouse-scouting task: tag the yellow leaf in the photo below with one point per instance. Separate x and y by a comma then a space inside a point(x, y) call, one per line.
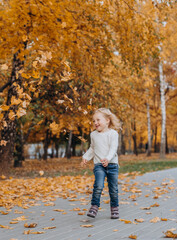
point(140, 220)
point(115, 230)
point(155, 205)
point(81, 213)
point(125, 221)
point(4, 67)
point(31, 225)
point(4, 108)
point(87, 225)
point(154, 220)
point(59, 210)
point(46, 228)
point(3, 143)
point(170, 234)
point(3, 177)
point(4, 213)
point(11, 115)
point(41, 173)
point(133, 236)
point(6, 227)
point(21, 112)
point(15, 101)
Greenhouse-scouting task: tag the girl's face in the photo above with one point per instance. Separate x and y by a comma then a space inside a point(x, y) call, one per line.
point(100, 123)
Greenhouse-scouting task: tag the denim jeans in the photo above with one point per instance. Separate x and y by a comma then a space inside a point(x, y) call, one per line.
point(100, 172)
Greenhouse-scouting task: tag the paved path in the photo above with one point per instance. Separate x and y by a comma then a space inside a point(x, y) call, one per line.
point(135, 195)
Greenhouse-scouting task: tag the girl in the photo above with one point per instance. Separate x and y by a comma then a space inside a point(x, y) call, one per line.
point(103, 149)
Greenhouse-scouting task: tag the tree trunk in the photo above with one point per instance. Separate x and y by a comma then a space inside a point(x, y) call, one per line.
point(163, 111)
point(56, 147)
point(8, 133)
point(134, 139)
point(46, 144)
point(155, 140)
point(19, 144)
point(68, 152)
point(167, 149)
point(149, 131)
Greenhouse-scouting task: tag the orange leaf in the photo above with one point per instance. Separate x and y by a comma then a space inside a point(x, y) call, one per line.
point(133, 236)
point(87, 225)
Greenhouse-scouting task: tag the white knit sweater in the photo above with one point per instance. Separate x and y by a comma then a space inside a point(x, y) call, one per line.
point(103, 145)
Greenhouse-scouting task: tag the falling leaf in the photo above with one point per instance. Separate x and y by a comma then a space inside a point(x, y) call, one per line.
point(41, 173)
point(133, 236)
point(31, 225)
point(87, 226)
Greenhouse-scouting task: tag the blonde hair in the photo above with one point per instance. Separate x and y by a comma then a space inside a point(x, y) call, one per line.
point(114, 121)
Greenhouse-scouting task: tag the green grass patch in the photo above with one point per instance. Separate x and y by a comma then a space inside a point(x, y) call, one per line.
point(149, 166)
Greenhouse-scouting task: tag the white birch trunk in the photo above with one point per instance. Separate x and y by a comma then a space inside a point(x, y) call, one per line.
point(163, 110)
point(149, 131)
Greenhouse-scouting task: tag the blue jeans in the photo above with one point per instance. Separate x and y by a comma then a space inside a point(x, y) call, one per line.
point(100, 172)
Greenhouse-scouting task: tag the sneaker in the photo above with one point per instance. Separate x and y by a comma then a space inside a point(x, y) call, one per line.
point(114, 212)
point(93, 211)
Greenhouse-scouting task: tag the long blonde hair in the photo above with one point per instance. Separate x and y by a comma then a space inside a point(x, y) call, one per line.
point(114, 121)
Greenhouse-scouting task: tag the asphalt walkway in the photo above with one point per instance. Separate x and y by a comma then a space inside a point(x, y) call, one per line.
point(148, 208)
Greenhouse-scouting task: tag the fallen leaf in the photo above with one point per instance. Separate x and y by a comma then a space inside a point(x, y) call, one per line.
point(115, 230)
point(155, 205)
point(6, 227)
point(4, 213)
point(31, 225)
point(46, 228)
point(145, 208)
point(140, 220)
point(125, 221)
point(87, 225)
point(81, 213)
point(31, 232)
point(133, 236)
point(170, 234)
point(59, 210)
point(154, 220)
point(164, 219)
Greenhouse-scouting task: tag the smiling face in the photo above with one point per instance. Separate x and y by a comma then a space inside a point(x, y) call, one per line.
point(100, 122)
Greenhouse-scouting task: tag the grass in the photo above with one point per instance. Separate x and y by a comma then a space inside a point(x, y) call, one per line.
point(63, 166)
point(150, 166)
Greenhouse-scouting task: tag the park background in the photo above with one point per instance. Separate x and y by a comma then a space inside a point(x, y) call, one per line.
point(60, 60)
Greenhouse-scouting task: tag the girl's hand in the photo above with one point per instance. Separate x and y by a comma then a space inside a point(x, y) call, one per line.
point(84, 162)
point(104, 161)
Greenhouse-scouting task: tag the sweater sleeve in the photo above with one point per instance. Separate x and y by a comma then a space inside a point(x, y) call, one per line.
point(90, 152)
point(113, 146)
